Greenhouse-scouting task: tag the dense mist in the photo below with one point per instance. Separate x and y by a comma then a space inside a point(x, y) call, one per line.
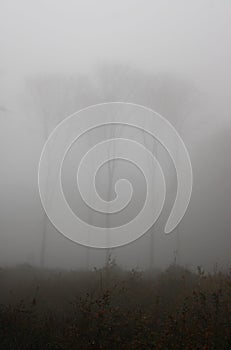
point(58, 57)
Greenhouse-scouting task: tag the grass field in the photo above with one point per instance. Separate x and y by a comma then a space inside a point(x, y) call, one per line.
point(110, 308)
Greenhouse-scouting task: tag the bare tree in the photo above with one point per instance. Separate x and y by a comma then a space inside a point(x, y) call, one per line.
point(170, 96)
point(54, 98)
point(57, 96)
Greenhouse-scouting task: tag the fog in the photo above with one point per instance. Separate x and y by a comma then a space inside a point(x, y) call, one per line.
point(172, 56)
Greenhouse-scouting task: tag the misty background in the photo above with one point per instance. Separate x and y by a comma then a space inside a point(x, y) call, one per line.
point(58, 57)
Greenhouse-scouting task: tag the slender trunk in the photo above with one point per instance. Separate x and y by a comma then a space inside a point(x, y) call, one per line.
point(43, 243)
point(152, 233)
point(111, 169)
point(45, 218)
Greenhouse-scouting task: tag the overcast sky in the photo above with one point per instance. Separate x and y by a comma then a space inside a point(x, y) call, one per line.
point(191, 38)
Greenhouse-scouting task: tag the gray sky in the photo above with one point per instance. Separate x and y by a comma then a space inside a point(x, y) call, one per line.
point(188, 37)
